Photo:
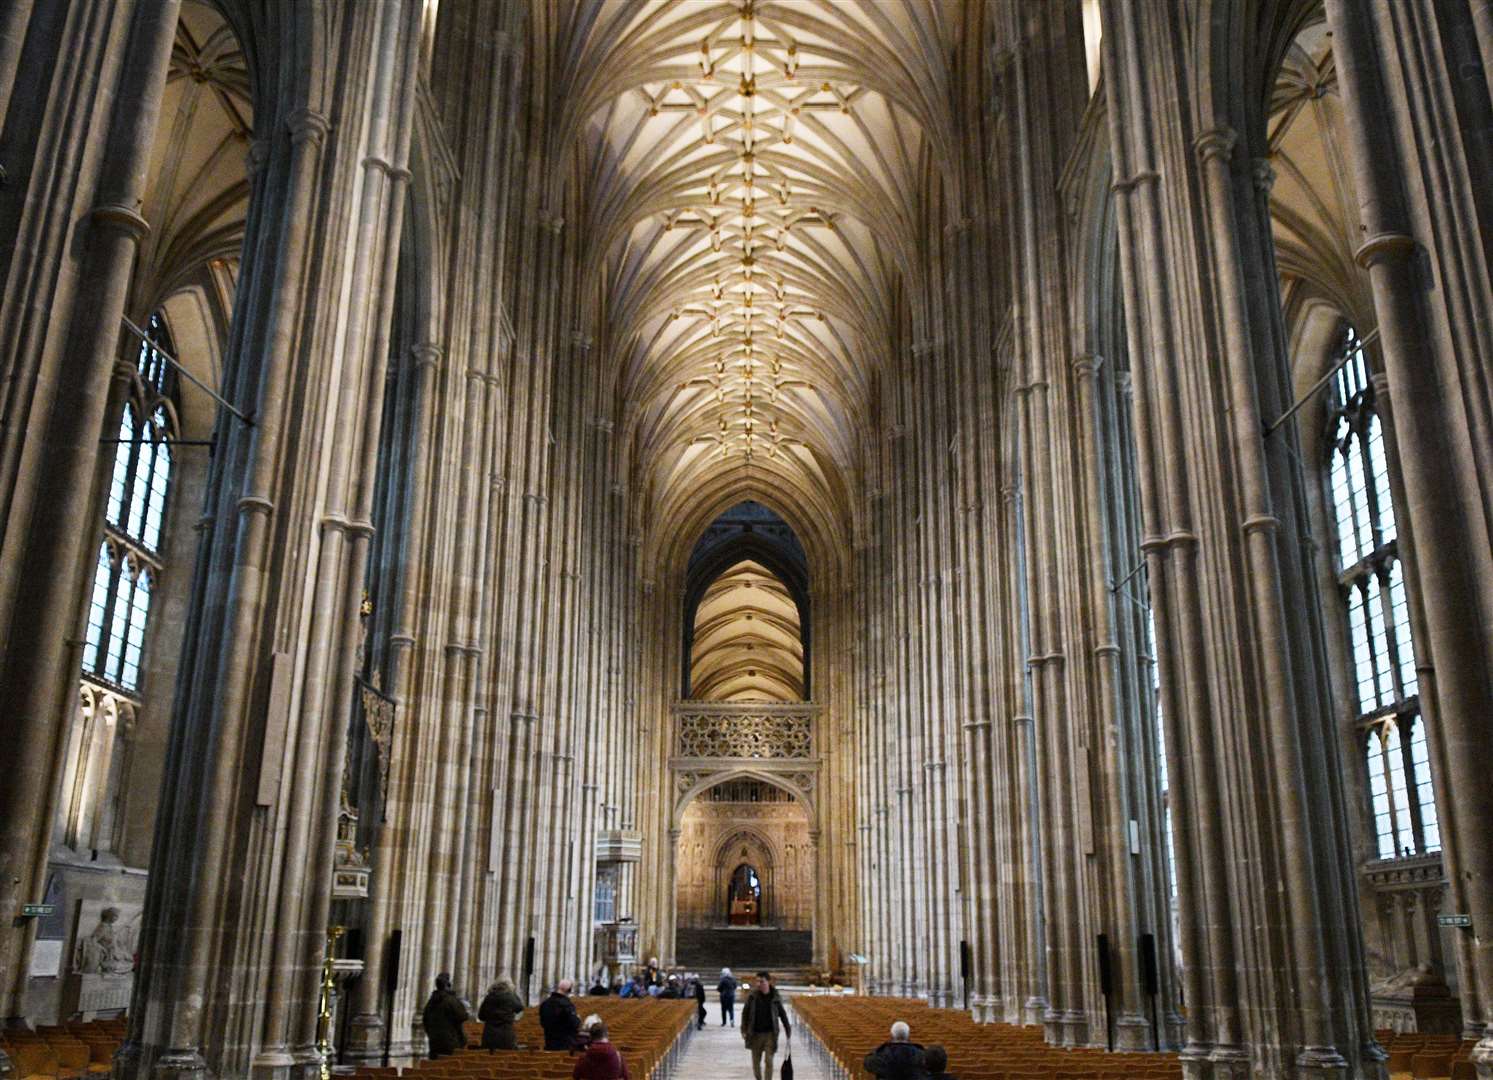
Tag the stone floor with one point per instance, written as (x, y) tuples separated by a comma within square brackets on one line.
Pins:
[(717, 1053)]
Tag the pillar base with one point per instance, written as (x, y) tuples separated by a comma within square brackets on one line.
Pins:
[(178, 1063), (365, 1039), (1133, 1032), (1033, 1010), (1201, 1061), (1075, 1028), (272, 1063), (308, 1063)]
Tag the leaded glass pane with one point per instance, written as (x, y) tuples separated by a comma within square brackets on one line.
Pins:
[(1358, 635), (1379, 644), (129, 676), (98, 606), (1342, 498), (1420, 768), (1362, 526), (1379, 467), (119, 624), (120, 482), (1379, 796), (1395, 760), (1404, 647)]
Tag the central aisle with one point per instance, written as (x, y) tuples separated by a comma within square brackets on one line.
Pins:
[(717, 1053)]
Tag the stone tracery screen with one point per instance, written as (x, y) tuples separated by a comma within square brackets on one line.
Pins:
[(766, 732)]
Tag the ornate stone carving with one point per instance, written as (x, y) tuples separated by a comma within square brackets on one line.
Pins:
[(705, 731)]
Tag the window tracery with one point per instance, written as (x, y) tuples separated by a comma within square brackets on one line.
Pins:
[(1372, 583), (134, 517)]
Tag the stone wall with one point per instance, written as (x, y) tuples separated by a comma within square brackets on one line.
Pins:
[(775, 839)]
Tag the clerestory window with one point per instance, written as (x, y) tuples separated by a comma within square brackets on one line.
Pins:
[(134, 516), (1371, 580)]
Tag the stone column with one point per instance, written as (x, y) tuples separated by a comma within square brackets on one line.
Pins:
[(1420, 262), (50, 515)]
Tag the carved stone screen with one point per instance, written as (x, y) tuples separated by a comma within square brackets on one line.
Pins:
[(767, 733)]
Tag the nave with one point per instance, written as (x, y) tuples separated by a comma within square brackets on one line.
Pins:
[(989, 502)]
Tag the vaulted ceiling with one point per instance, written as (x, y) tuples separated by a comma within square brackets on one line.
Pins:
[(748, 643), (752, 176), (197, 193)]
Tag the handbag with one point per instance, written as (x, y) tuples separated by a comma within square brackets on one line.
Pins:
[(787, 1073)]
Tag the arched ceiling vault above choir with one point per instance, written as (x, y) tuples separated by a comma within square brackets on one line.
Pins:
[(751, 172), (747, 643), (197, 192)]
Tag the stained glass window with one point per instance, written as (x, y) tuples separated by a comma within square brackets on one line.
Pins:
[(134, 517), (1372, 582)]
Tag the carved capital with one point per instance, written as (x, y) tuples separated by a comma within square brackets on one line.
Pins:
[(308, 125), (1383, 246), (126, 220), (1086, 365), (395, 174), (427, 354), (1217, 143)]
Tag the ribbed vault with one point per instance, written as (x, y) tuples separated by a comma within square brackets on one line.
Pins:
[(752, 178), (747, 642)]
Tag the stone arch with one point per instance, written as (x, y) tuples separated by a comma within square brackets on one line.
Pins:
[(798, 783)]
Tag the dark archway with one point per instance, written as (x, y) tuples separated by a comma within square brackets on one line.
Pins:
[(748, 532)]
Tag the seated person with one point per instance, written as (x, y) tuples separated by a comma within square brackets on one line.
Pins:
[(937, 1059), (900, 1059), (600, 1060)]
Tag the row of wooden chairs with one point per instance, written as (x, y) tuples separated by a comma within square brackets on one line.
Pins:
[(646, 1033), (65, 1051), (848, 1028), (1428, 1057)]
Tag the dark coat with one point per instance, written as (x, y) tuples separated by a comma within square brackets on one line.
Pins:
[(600, 1062), (497, 1012), (700, 993), (727, 988), (444, 1014), (560, 1021), (772, 1003), (897, 1061)]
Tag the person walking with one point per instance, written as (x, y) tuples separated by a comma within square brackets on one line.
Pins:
[(760, 1018), (601, 1061), (443, 1016), (699, 993), (499, 1011), (727, 989), (558, 1018), (900, 1059)]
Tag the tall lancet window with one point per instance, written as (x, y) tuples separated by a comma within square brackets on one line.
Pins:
[(134, 515), (1372, 580)]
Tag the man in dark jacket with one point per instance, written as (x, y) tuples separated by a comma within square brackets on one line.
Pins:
[(760, 1018), (558, 1018), (444, 1014), (498, 1012), (900, 1059), (727, 989), (697, 989)]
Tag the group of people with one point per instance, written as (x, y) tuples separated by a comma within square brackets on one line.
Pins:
[(564, 1030), (902, 1059), (762, 1018)]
